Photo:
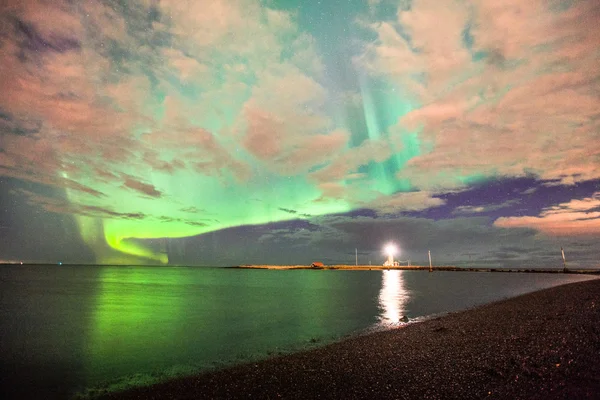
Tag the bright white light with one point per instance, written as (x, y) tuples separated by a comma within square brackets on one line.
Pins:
[(391, 249)]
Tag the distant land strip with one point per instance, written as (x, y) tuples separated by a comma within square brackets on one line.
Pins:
[(424, 268)]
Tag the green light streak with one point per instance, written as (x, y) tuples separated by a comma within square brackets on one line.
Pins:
[(383, 107), (216, 204)]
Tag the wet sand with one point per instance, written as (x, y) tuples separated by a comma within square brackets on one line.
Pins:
[(543, 345)]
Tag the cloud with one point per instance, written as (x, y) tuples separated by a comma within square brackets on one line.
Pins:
[(63, 206), (288, 133), (149, 116), (485, 208), (343, 177), (141, 187), (504, 88), (409, 201), (169, 100), (576, 217), (47, 23), (408, 47), (289, 211), (462, 241), (344, 163)]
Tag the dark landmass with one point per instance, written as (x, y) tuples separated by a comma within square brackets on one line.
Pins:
[(543, 345), (561, 270), (557, 270)]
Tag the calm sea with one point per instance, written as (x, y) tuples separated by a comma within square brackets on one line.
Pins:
[(64, 330)]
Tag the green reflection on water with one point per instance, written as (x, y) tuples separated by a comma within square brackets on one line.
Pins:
[(153, 323), (135, 319)]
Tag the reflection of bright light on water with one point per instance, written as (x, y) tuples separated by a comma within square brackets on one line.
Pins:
[(392, 297)]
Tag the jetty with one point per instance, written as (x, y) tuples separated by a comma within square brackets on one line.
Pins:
[(556, 270)]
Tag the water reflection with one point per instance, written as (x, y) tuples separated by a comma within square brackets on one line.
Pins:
[(71, 327), (138, 314), (159, 322), (392, 297)]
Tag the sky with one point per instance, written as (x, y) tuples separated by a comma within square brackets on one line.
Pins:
[(226, 132)]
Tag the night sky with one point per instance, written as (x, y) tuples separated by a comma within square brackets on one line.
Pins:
[(223, 132)]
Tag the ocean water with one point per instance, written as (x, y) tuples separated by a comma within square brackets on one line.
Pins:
[(69, 330)]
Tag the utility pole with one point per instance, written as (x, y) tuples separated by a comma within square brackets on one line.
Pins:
[(356, 255), (430, 267), (564, 261)]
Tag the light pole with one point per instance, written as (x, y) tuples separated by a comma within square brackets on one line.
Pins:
[(429, 254)]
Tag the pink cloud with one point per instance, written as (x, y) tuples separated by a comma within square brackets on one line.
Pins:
[(288, 133), (409, 201), (209, 22), (435, 47), (187, 67), (577, 217), (141, 187), (56, 19), (313, 150), (529, 106), (343, 164), (332, 190), (264, 134)]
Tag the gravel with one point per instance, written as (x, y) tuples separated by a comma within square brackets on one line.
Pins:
[(543, 345)]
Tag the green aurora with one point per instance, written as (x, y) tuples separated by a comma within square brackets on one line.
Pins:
[(192, 202), (146, 121)]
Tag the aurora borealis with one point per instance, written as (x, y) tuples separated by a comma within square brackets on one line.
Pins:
[(221, 132)]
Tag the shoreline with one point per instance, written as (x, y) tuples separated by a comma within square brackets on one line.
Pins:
[(538, 345), (590, 271)]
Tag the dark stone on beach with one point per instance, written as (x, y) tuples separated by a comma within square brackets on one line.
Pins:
[(542, 345), (404, 319)]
